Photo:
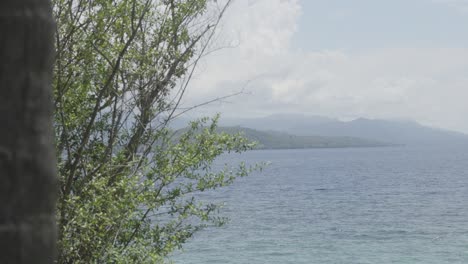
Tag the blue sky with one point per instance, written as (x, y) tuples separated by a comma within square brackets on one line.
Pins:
[(345, 59), (370, 24)]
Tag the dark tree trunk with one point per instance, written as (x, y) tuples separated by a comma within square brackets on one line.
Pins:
[(27, 163)]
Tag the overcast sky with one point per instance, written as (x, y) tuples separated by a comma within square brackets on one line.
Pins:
[(390, 59)]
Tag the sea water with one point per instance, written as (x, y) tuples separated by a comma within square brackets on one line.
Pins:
[(356, 205)]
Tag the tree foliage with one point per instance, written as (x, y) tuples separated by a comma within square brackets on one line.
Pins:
[(128, 186)]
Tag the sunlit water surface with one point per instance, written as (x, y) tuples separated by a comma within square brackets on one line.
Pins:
[(368, 205)]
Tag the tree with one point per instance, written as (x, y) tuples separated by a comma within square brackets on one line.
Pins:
[(129, 184), (27, 164)]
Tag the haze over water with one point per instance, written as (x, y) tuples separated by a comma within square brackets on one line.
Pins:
[(356, 205)]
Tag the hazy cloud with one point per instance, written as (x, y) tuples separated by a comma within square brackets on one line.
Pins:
[(426, 84), (461, 5)]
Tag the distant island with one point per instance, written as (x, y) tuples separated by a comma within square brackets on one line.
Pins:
[(360, 130), (293, 131), (281, 140)]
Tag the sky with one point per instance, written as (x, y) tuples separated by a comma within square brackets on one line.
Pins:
[(382, 59)]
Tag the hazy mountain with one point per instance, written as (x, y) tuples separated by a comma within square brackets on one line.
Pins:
[(281, 140), (398, 132), (293, 122)]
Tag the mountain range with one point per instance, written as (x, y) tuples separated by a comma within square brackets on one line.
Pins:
[(281, 140), (304, 131), (387, 131)]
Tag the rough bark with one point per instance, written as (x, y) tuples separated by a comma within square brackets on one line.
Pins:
[(27, 163)]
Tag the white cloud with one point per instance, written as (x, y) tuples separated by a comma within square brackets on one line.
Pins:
[(428, 85), (460, 5)]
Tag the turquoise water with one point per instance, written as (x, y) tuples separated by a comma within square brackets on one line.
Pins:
[(372, 205)]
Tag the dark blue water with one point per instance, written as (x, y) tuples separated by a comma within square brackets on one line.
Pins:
[(372, 205)]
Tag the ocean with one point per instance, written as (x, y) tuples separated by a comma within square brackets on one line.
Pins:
[(349, 206)]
